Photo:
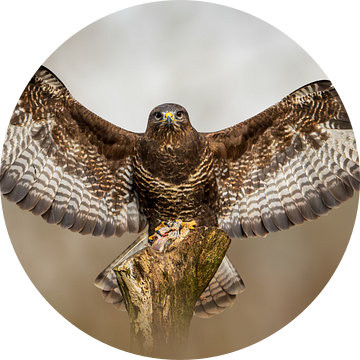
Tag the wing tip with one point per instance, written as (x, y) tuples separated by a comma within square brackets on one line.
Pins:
[(314, 86), (49, 77)]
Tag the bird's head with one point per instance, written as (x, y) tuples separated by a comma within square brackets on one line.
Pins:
[(169, 121)]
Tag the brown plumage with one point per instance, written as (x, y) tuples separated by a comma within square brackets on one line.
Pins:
[(174, 171), (291, 163)]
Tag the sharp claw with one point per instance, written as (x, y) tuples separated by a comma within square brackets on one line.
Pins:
[(172, 225), (163, 224), (190, 224)]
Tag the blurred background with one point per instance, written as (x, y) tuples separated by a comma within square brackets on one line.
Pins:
[(224, 66)]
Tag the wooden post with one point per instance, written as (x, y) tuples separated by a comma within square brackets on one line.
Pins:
[(161, 287)]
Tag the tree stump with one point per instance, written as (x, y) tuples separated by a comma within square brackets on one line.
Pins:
[(161, 284)]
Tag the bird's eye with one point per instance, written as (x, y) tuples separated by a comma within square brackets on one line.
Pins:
[(179, 114), (158, 115)]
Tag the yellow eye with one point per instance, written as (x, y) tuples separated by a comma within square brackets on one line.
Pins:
[(179, 114)]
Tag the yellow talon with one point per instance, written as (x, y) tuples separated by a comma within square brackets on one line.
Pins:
[(161, 225), (190, 224)]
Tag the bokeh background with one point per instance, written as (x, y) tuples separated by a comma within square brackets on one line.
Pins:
[(223, 66)]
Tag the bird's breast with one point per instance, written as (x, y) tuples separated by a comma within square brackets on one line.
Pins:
[(171, 161), (173, 184), (173, 168)]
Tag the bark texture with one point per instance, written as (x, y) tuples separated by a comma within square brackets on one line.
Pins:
[(161, 284)]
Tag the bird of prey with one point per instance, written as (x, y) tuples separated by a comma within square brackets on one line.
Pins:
[(291, 163)]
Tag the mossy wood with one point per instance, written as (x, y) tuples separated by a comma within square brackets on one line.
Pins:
[(161, 288)]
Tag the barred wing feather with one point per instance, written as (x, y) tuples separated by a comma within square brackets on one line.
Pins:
[(68, 165), (291, 163)]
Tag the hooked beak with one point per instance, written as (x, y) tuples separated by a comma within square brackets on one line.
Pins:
[(169, 118)]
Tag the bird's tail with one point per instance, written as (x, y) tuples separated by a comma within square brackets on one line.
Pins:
[(221, 291), (219, 295)]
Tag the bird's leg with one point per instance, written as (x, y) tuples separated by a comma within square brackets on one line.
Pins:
[(160, 231), (169, 230), (152, 237), (189, 224), (163, 224)]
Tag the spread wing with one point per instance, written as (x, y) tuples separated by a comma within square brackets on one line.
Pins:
[(68, 165), (291, 163)]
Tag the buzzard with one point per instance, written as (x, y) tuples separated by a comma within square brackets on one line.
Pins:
[(292, 162)]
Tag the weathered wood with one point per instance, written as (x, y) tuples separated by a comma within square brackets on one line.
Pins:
[(161, 287)]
